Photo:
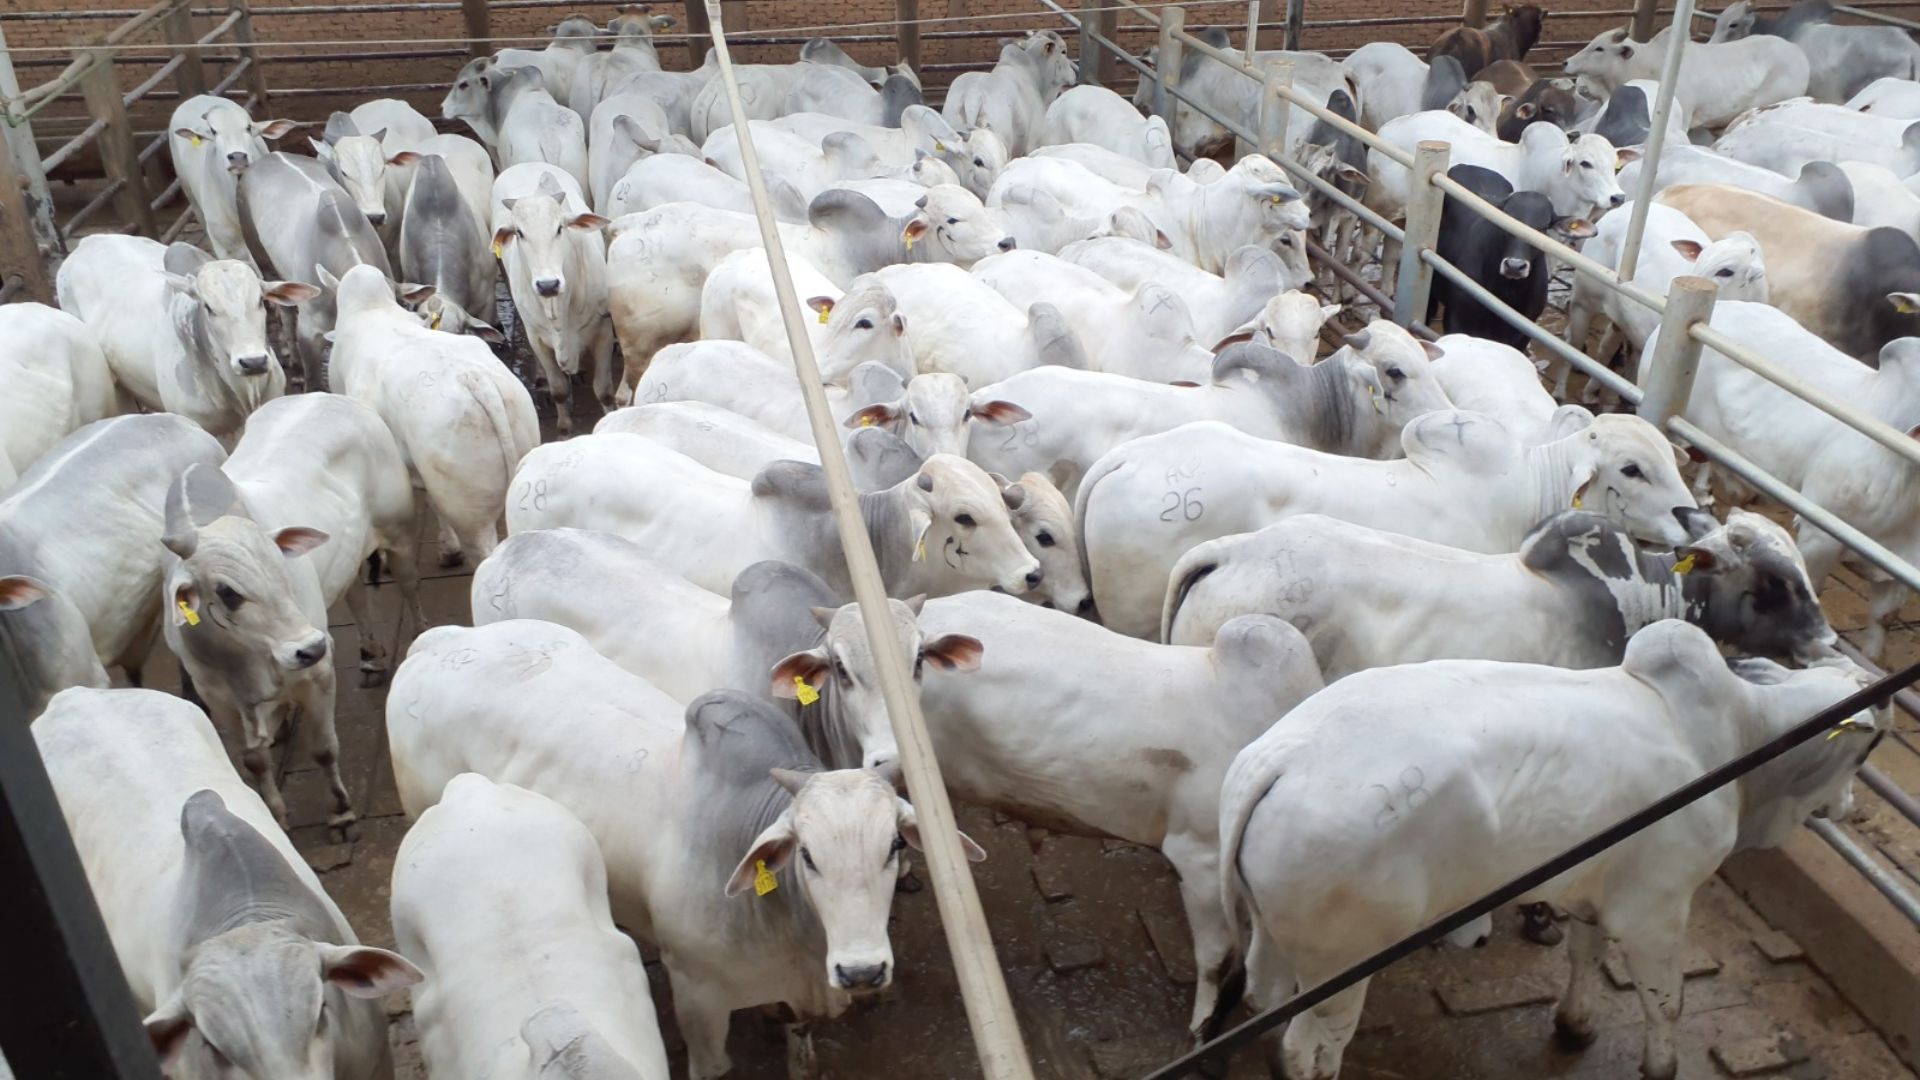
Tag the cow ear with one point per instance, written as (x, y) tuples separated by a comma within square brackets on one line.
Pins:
[(955, 654), (1624, 157), (288, 293), (416, 295), (168, 1027), (273, 129), (20, 591), (874, 416), (909, 824), (822, 306), (363, 971), (1000, 412), (1697, 559), (1352, 175), (1905, 303), (297, 540), (404, 157), (320, 148), (186, 604), (1575, 228), (1433, 351), (486, 333), (1689, 249), (1626, 52), (1062, 473), (1527, 110), (327, 281), (192, 136), (588, 221), (810, 667), (502, 236), (915, 229), (773, 848)]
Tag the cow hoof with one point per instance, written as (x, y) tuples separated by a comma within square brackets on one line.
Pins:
[(345, 824), (909, 883), (1574, 1034), (372, 675), (1539, 926), (451, 559)]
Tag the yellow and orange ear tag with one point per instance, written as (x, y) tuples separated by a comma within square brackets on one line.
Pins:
[(195, 140), (1685, 565), (866, 421), (496, 249), (824, 312), (763, 880), (187, 613), (807, 694)]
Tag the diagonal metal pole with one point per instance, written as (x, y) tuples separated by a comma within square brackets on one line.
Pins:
[(1656, 138), (996, 1034)]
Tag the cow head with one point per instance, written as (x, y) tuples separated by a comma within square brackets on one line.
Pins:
[(956, 227), (536, 229), (1275, 204), (1733, 263), (1733, 23), (254, 1001), (846, 831), (1587, 183), (438, 312), (1621, 466), (1478, 103), (219, 312), (575, 32), (1606, 60), (842, 667), (1289, 323), (228, 134), (471, 96), (957, 517), (360, 165), (1044, 520), (230, 602), (933, 412), (1758, 597), (863, 325), (1403, 370)]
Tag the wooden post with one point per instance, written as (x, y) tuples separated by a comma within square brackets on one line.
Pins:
[(1296, 22), (1424, 205), (1667, 378), (1275, 109), (697, 27), (907, 31), (1269, 13), (256, 78), (118, 154), (479, 26), (25, 154), (1166, 65), (1106, 19), (20, 254), (1643, 16), (1474, 15), (190, 78)]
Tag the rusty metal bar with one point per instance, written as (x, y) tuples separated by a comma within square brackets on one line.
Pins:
[(132, 97), (118, 156), (249, 55)]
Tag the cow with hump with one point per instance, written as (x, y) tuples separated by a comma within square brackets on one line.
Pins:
[(1443, 804), (762, 877), (243, 965)]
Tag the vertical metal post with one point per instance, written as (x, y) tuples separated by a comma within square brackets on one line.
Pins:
[(1296, 22), (1656, 137), (20, 253), (1275, 110), (25, 156), (1425, 202), (1090, 50), (1666, 379), (190, 78), (907, 31), (1106, 19), (1166, 65), (1253, 29), (479, 19), (118, 154), (1474, 14), (243, 36), (79, 1022), (1643, 15)]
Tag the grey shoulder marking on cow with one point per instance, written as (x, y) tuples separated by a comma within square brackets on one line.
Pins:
[(1055, 341), (1445, 79), (878, 459), (1617, 588), (183, 259), (235, 876), (896, 95), (1625, 122), (565, 1045), (771, 594), (1825, 189), (798, 482)]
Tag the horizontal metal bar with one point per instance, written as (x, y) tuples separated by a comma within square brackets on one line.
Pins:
[(72, 146), (1878, 876), (1906, 699), (1366, 289), (132, 97), (350, 91), (1583, 263), (1879, 431), (1816, 515), (1850, 9), (1593, 368)]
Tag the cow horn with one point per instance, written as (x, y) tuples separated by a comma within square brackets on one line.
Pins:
[(926, 482), (201, 496), (1014, 495), (789, 779), (1284, 192), (1359, 341), (1259, 359)]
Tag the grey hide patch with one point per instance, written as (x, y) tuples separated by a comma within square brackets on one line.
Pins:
[(879, 459), (236, 876), (1618, 588), (1055, 342), (183, 259)]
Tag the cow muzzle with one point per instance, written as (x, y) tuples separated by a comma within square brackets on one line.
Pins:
[(307, 655), (238, 161), (860, 977), (548, 286), (376, 218), (1515, 269), (255, 365)]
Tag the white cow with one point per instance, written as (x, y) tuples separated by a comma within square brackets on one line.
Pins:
[(242, 964), (556, 261), (941, 530), (500, 897), (1218, 304), (1818, 186), (1012, 99), (1145, 332), (1224, 89), (1395, 81), (598, 75), (846, 330), (1857, 479), (57, 380), (1075, 727), (1097, 115), (662, 178), (529, 125), (621, 131), (976, 156), (1717, 82), (690, 808), (461, 419), (1888, 96), (1845, 61), (1466, 482), (1354, 402), (573, 41), (964, 326), (182, 333), (1440, 809), (716, 437), (1788, 140), (1291, 323), (1500, 381), (212, 141), (1577, 174)]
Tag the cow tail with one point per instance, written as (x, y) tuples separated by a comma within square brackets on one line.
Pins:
[(1190, 571), (1237, 899), (488, 397), (1098, 472)]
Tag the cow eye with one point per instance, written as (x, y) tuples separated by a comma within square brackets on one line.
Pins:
[(1632, 471), (899, 845), (807, 858), (1586, 164), (1724, 271), (1396, 374), (979, 163), (863, 324), (1044, 539), (1286, 241), (913, 419), (953, 221), (228, 597), (840, 672), (965, 521)]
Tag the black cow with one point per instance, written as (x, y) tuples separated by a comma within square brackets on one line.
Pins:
[(1510, 268)]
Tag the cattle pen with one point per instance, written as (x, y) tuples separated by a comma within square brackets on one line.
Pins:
[(96, 165)]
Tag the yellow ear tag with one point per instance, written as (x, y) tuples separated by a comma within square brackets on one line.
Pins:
[(1685, 565), (824, 312), (909, 238), (187, 613), (1850, 722), (920, 551), (195, 140), (435, 325), (939, 147), (496, 249), (866, 421), (807, 694), (763, 880)]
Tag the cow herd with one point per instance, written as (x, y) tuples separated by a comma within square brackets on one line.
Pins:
[(1326, 631)]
